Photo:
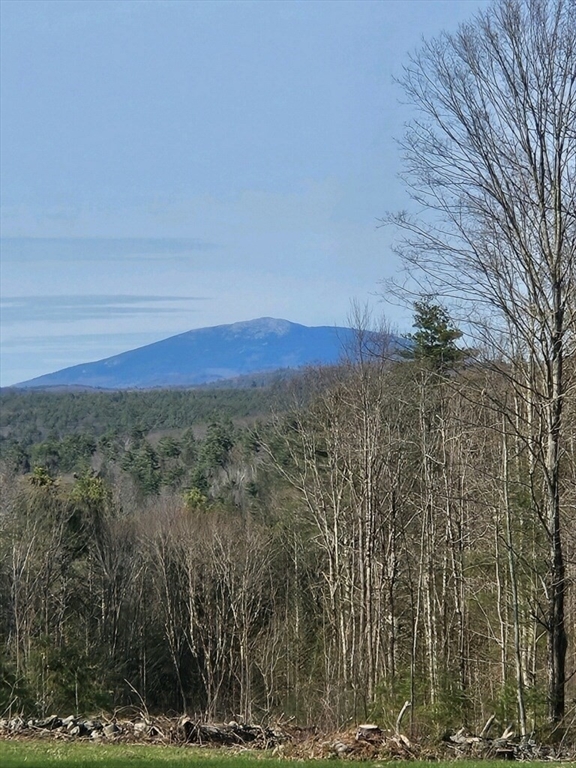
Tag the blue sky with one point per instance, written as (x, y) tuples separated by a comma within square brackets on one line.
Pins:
[(174, 164)]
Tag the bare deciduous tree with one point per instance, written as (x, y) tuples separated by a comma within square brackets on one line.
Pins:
[(492, 160)]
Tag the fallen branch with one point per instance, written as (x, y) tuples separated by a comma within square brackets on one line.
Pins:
[(407, 704)]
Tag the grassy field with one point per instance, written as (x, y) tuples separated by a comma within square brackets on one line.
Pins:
[(41, 754)]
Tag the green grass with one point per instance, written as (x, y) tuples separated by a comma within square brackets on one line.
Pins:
[(42, 754)]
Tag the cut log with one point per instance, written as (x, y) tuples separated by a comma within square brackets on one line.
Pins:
[(368, 732)]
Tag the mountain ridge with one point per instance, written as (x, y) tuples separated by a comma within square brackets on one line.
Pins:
[(206, 355)]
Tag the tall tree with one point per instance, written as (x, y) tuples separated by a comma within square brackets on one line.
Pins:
[(434, 341), (491, 158)]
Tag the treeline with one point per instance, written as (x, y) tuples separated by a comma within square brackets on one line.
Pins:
[(31, 416), (378, 542)]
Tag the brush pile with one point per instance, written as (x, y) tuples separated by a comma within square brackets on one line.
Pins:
[(369, 742), (508, 746)]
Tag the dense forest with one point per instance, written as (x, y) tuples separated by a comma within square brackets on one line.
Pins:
[(31, 416)]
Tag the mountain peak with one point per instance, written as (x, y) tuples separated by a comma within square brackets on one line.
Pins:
[(263, 326)]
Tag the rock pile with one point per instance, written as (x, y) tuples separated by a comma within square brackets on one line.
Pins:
[(164, 730), (74, 727)]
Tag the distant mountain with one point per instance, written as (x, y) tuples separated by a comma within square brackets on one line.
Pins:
[(208, 355)]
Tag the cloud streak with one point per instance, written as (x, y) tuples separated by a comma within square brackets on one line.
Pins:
[(80, 341), (21, 309), (34, 249)]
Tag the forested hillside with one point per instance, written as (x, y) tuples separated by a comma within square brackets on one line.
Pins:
[(379, 541), (70, 423)]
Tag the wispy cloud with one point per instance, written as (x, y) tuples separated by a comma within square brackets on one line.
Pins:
[(80, 341), (19, 309), (32, 249)]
